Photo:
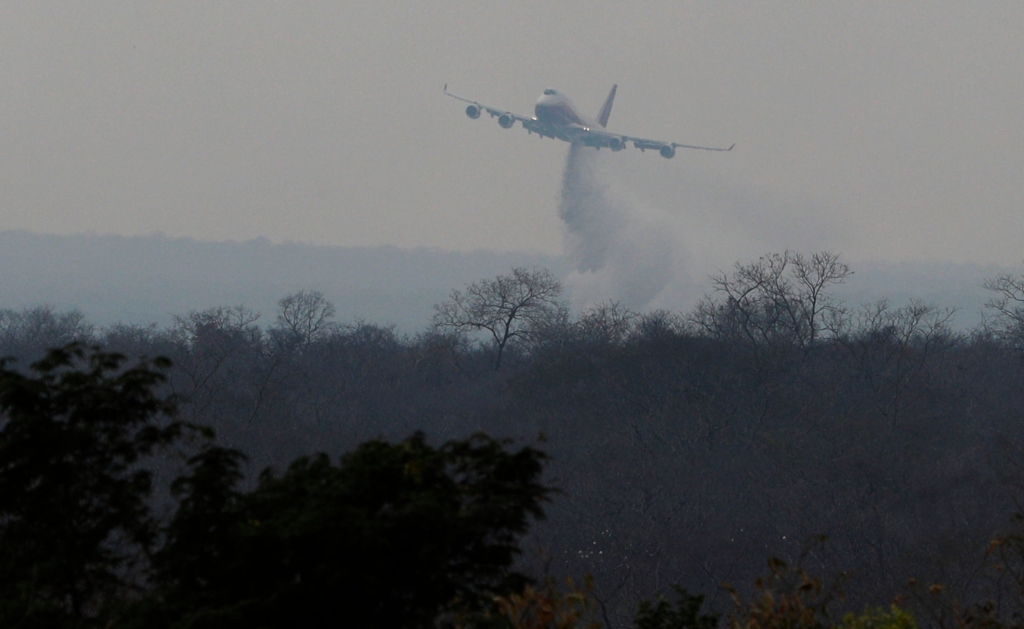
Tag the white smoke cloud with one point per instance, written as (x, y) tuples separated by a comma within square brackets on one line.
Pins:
[(648, 234), (621, 250)]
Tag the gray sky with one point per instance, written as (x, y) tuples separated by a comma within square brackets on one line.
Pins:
[(885, 130)]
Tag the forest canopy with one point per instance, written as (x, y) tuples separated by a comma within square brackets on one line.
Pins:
[(686, 448)]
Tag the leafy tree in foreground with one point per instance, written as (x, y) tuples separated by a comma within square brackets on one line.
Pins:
[(542, 608), (880, 618), (788, 598), (73, 513), (686, 614), (396, 533)]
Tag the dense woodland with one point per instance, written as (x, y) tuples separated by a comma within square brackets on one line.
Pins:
[(684, 448)]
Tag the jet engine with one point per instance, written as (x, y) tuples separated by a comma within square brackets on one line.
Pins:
[(616, 143), (667, 151), (506, 121), (473, 111)]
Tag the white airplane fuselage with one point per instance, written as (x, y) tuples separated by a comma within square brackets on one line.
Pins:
[(556, 109)]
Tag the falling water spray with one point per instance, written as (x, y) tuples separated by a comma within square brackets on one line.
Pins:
[(619, 251)]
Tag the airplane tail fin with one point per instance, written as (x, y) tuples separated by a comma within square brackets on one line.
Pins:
[(606, 110)]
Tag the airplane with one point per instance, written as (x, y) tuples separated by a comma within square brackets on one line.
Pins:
[(556, 117)]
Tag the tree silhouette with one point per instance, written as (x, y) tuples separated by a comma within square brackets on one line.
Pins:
[(397, 533), (510, 308), (73, 515)]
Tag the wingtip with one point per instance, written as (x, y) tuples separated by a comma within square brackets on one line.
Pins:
[(733, 146), (446, 87)]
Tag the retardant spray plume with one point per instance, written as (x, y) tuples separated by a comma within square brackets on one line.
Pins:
[(620, 252)]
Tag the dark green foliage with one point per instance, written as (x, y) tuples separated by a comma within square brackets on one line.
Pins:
[(787, 598), (685, 615), (73, 513), (689, 445), (399, 532), (402, 532), (200, 535)]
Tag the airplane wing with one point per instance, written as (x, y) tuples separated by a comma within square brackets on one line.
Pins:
[(617, 142), (507, 118)]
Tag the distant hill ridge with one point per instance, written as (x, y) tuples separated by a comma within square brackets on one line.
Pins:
[(148, 279)]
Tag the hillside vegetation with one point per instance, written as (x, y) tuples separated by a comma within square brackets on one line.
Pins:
[(685, 448)]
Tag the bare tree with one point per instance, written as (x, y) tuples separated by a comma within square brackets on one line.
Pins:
[(608, 323), (306, 315), (512, 308), (1008, 305), (41, 328), (897, 350), (204, 345), (781, 298)]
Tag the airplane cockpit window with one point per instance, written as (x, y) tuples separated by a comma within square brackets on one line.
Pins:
[(549, 92)]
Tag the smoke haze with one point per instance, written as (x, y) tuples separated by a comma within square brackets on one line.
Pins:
[(648, 232), (618, 251)]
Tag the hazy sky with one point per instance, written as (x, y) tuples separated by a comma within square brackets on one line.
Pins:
[(886, 130)]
